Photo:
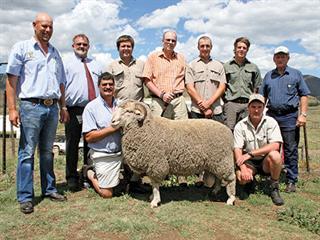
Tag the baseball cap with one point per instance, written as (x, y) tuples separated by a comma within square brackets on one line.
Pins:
[(256, 97), (281, 49)]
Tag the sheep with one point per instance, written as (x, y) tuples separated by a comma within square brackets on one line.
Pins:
[(158, 147)]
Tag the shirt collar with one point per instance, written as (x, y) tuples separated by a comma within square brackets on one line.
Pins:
[(286, 71), (234, 61), (198, 59), (263, 119), (114, 102), (161, 53), (36, 43), (133, 60)]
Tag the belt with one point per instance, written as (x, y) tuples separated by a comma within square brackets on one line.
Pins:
[(279, 112), (47, 102), (240, 100), (175, 95)]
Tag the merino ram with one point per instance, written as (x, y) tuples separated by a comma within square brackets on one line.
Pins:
[(159, 147)]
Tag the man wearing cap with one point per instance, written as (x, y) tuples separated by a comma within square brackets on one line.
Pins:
[(287, 95), (257, 141), (243, 79)]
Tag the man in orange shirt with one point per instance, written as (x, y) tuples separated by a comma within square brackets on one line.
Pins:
[(163, 74)]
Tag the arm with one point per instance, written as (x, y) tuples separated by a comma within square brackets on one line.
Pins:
[(64, 115), (166, 97), (97, 135), (245, 173), (11, 89), (302, 119)]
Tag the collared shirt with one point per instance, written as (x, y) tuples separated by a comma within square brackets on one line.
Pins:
[(284, 91), (128, 79), (40, 74), (248, 138), (97, 115), (206, 78), (77, 84), (242, 80), (166, 74)]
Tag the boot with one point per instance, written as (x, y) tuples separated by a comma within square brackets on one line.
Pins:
[(275, 195)]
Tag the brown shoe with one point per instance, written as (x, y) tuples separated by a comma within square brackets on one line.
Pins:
[(291, 187), (56, 197)]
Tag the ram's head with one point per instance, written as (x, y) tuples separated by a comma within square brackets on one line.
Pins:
[(130, 112)]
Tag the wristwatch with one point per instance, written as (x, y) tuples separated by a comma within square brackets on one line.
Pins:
[(303, 114)]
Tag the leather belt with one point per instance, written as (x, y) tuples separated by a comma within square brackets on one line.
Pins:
[(240, 100), (175, 95), (47, 102)]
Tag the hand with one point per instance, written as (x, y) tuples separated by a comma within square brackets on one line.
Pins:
[(204, 105), (208, 113), (242, 159), (64, 116), (246, 175), (167, 97), (14, 117), (301, 121)]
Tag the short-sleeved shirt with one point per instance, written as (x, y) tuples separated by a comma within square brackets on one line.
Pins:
[(77, 83), (40, 74), (247, 138), (128, 79), (206, 78), (242, 80), (166, 74), (284, 91), (97, 115)]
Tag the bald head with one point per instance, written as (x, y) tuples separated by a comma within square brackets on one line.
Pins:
[(43, 28)]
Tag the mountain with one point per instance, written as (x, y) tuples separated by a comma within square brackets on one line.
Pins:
[(313, 84)]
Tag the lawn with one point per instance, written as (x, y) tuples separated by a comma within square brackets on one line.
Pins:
[(186, 212)]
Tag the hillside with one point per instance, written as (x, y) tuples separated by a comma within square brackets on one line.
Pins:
[(313, 84)]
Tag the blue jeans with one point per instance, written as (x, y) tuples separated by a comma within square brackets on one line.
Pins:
[(38, 127), (290, 147)]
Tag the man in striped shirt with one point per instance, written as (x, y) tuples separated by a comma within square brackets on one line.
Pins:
[(163, 74)]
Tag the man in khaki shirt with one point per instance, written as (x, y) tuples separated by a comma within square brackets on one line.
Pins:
[(206, 83), (257, 140), (127, 71)]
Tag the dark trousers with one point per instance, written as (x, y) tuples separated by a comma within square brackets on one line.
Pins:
[(73, 131), (218, 117), (290, 147)]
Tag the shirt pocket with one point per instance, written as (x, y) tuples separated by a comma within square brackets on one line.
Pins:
[(215, 77), (118, 78), (291, 89), (261, 140)]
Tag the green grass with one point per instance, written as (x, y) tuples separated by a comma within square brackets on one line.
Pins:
[(185, 213)]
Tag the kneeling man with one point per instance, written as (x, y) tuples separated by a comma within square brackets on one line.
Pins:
[(257, 140), (103, 140)]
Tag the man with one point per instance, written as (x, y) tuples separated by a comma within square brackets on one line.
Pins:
[(36, 75), (286, 91), (163, 74), (127, 71), (103, 140), (206, 83), (81, 74), (243, 79), (257, 141)]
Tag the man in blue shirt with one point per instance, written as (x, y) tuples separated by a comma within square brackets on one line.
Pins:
[(36, 75), (77, 97), (287, 95), (103, 140)]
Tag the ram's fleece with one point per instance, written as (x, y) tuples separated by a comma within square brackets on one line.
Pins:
[(159, 147)]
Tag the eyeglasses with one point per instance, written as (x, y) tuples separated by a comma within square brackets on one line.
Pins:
[(83, 44), (170, 40)]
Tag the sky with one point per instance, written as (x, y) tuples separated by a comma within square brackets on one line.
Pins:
[(267, 23)]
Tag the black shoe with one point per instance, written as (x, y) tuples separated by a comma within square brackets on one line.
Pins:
[(276, 198), (241, 192), (291, 187), (73, 184), (84, 176), (26, 207), (56, 197)]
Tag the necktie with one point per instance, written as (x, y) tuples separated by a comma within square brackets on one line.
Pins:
[(91, 91)]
